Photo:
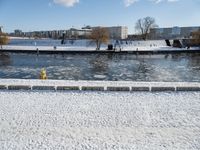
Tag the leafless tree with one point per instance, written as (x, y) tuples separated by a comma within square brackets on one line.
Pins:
[(99, 36), (144, 25), (3, 39), (195, 41)]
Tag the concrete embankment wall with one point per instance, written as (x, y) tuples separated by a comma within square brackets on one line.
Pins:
[(61, 85), (104, 52), (132, 51)]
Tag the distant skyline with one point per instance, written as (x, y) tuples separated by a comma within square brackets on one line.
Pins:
[(37, 15)]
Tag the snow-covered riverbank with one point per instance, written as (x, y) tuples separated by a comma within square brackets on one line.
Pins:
[(87, 45), (74, 120), (91, 48), (18, 84)]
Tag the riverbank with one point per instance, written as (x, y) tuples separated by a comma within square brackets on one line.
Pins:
[(51, 46), (82, 49), (64, 85)]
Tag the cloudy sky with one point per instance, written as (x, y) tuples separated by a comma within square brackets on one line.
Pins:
[(30, 15)]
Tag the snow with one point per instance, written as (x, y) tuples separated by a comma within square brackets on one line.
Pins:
[(99, 120), (35, 82), (48, 48), (19, 38), (86, 45)]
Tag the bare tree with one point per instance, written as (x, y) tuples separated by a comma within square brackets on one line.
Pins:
[(144, 25), (195, 41), (99, 36), (3, 39)]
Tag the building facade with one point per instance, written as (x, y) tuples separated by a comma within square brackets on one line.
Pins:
[(115, 32), (118, 32), (18, 32), (78, 33), (172, 33)]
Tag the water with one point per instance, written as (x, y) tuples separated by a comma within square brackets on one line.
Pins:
[(182, 67), (114, 67)]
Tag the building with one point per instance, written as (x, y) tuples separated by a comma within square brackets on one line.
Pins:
[(56, 34), (78, 33), (18, 32), (115, 32), (172, 33), (118, 32)]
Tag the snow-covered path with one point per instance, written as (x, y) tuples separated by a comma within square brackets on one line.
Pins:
[(99, 120)]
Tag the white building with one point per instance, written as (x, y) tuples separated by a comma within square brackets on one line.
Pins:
[(118, 32), (115, 32), (172, 33)]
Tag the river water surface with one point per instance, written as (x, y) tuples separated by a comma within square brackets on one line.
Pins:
[(114, 67)]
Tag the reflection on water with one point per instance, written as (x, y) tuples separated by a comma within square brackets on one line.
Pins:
[(99, 64), (170, 67), (4, 60)]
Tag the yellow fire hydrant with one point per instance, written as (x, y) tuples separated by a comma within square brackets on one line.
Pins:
[(43, 74)]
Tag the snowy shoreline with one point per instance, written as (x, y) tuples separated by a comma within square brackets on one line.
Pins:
[(44, 45), (17, 48), (27, 84)]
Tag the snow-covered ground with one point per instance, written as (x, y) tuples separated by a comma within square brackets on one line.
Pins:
[(36, 82), (19, 38), (93, 48), (86, 45), (99, 120), (49, 48)]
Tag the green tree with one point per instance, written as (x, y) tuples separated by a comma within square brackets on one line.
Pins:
[(144, 25), (99, 36)]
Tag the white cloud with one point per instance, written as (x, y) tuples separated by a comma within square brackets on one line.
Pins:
[(129, 2), (158, 1), (173, 0), (67, 3)]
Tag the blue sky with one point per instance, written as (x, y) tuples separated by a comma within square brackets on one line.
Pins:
[(30, 15)]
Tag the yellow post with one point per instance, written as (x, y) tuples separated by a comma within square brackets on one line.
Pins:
[(43, 74)]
